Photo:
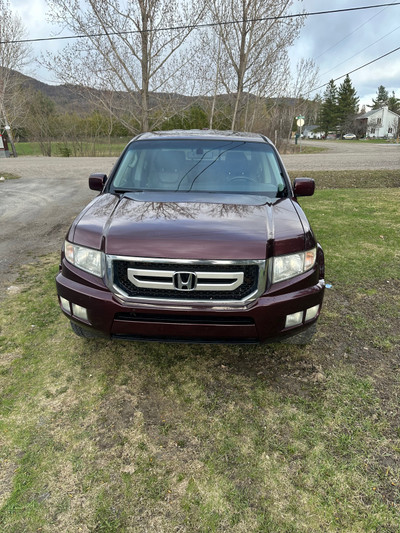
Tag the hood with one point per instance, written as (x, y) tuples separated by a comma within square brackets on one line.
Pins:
[(190, 226)]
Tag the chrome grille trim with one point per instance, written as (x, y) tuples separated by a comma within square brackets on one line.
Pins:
[(164, 279), (235, 277)]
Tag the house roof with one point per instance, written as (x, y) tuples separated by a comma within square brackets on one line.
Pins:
[(368, 114), (373, 111)]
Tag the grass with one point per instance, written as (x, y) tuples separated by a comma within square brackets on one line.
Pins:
[(114, 148), (9, 176), (365, 232), (114, 437), (78, 149), (301, 148), (380, 141)]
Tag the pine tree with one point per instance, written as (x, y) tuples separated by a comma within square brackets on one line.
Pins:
[(394, 103), (347, 104), (381, 98), (329, 109)]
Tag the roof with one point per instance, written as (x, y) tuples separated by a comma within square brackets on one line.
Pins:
[(368, 113), (204, 134), (373, 111)]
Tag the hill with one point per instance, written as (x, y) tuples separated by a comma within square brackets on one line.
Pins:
[(70, 98), (65, 97)]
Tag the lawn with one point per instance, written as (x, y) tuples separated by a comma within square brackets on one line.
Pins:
[(102, 147), (8, 176), (136, 437), (97, 148)]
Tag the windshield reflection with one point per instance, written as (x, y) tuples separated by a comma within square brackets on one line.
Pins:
[(145, 210)]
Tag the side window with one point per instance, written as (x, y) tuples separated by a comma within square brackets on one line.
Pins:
[(126, 170), (271, 170)]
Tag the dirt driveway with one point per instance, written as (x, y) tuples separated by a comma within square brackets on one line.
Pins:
[(36, 210)]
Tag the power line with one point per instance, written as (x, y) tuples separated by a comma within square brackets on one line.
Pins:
[(355, 70), (349, 34), (363, 50), (199, 26)]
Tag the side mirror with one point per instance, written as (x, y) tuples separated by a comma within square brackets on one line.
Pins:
[(303, 187), (97, 181)]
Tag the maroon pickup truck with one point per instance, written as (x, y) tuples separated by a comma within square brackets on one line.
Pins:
[(196, 236)]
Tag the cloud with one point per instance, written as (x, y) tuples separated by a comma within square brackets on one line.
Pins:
[(341, 42)]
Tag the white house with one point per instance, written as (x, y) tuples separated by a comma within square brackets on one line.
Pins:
[(379, 123), (309, 133)]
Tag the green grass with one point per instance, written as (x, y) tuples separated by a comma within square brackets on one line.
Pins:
[(361, 230), (103, 148), (379, 141), (9, 176), (114, 436), (76, 149)]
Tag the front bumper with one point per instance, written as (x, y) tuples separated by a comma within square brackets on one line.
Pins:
[(260, 321)]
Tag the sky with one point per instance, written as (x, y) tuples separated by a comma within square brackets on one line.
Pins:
[(338, 43), (342, 42)]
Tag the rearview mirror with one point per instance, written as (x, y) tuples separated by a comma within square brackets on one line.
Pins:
[(97, 181), (303, 187)]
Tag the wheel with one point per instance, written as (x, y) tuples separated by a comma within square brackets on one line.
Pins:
[(83, 332), (305, 337)]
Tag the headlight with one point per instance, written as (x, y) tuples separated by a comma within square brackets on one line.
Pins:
[(288, 266), (85, 258)]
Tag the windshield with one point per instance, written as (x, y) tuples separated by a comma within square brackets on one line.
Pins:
[(200, 165)]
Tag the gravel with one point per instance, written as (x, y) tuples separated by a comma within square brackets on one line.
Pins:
[(346, 155), (36, 210)]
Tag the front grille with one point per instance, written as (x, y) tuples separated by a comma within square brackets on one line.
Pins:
[(154, 280)]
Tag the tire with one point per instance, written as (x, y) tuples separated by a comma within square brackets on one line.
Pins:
[(83, 332), (305, 337)]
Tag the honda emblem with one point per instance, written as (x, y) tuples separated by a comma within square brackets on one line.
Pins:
[(185, 281)]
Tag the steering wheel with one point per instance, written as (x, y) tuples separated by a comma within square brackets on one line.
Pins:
[(242, 178)]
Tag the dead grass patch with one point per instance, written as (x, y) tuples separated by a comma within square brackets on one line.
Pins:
[(7, 469)]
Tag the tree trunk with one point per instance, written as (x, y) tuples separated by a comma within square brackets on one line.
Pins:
[(242, 66), (145, 67), (214, 101), (9, 132)]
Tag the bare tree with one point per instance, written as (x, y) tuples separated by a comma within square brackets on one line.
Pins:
[(254, 48), (301, 85), (127, 50), (13, 56)]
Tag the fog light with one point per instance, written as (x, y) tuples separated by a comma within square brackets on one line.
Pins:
[(294, 320), (79, 312), (65, 304), (312, 312)]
